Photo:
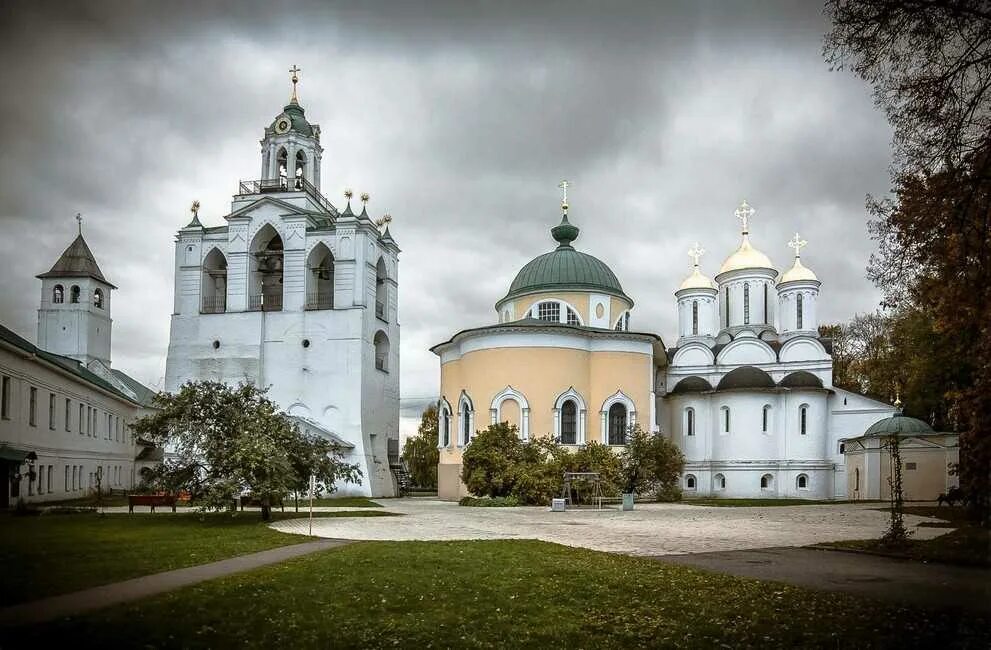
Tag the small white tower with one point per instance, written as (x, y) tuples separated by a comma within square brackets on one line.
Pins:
[(746, 284), (291, 148), (74, 318), (698, 307), (798, 292)]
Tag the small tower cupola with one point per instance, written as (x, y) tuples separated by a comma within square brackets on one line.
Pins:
[(697, 306), (291, 150), (798, 293), (746, 283), (74, 315)]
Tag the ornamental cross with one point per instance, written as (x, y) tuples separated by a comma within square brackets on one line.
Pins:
[(696, 252), (744, 213), (564, 193), (79, 221), (295, 79), (798, 244)]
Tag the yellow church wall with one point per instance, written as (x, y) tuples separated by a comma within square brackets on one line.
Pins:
[(578, 300), (540, 375)]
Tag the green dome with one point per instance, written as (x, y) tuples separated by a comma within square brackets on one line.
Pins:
[(565, 269), (297, 116), (898, 424)]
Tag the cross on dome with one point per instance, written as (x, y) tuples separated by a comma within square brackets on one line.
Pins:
[(744, 213), (798, 244), (79, 221), (295, 80), (564, 185), (696, 252)]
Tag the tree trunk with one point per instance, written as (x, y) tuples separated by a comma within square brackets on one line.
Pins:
[(266, 510), (296, 498)]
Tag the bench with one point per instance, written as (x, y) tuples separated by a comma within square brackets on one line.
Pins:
[(150, 500)]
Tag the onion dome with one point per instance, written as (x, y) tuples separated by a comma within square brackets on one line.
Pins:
[(898, 425), (746, 256), (565, 269), (292, 118), (697, 280), (798, 271)]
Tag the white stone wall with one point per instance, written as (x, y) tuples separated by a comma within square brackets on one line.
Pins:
[(82, 448), (78, 330)]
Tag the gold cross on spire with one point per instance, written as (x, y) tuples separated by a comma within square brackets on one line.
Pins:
[(564, 185), (798, 244), (79, 222), (744, 213), (696, 252), (295, 80)]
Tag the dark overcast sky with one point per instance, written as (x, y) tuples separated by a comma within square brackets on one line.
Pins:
[(460, 119)]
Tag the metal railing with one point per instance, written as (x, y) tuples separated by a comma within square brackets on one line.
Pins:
[(380, 310), (285, 184), (320, 301), (213, 305), (265, 302)]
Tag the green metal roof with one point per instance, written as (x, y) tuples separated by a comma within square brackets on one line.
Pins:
[(565, 269), (898, 424), (297, 116)]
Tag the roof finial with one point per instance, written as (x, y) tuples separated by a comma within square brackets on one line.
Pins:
[(798, 244), (384, 220), (348, 194), (564, 184), (364, 197), (696, 252), (195, 209), (898, 400), (79, 221), (744, 213), (295, 80)]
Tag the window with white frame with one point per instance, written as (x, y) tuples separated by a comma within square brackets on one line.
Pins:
[(467, 415), (58, 294), (549, 311), (718, 482), (766, 418), (803, 418), (444, 425), (68, 414), (690, 482), (51, 411), (695, 317), (572, 316), (33, 406), (802, 482), (724, 416), (617, 424), (766, 482), (746, 303), (569, 423), (623, 322), (689, 421), (798, 313)]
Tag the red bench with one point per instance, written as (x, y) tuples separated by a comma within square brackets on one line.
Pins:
[(150, 500)]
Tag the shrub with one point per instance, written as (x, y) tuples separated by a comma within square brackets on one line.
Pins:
[(669, 494), (489, 502), (488, 464), (650, 463)]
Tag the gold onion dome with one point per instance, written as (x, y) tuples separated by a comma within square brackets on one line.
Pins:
[(746, 256), (697, 279), (798, 271)]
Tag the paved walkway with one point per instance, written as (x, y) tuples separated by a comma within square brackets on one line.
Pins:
[(48, 609), (894, 580), (652, 529)]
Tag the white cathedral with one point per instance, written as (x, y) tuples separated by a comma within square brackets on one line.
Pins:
[(295, 295)]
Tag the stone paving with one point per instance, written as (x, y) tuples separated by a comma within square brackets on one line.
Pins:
[(651, 529)]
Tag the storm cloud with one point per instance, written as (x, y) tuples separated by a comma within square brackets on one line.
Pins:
[(459, 119)]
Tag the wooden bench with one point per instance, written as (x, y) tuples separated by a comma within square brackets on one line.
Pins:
[(150, 500)]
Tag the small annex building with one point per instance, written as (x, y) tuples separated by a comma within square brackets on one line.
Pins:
[(926, 457)]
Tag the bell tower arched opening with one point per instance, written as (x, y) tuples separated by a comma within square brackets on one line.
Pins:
[(213, 289), (265, 292), (320, 278)]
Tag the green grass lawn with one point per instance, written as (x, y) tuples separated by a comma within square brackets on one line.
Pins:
[(46, 555), (500, 594)]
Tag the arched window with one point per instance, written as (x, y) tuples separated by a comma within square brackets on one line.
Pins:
[(695, 317), (718, 482), (569, 423), (802, 482), (689, 421), (623, 322), (617, 424), (767, 317), (466, 421), (74, 294), (381, 351), (98, 298), (283, 165), (766, 482), (798, 316), (766, 418), (724, 412), (320, 279), (214, 285), (726, 304), (265, 293), (803, 417), (689, 481), (381, 291), (444, 424), (746, 304), (300, 164), (58, 294), (856, 479), (572, 316)]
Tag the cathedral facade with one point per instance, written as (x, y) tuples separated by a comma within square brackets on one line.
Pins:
[(746, 393), (292, 294)]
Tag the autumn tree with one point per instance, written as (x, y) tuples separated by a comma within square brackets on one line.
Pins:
[(929, 63), (227, 440), (420, 451)]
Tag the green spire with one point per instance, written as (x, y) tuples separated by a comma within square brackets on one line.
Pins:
[(564, 233)]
